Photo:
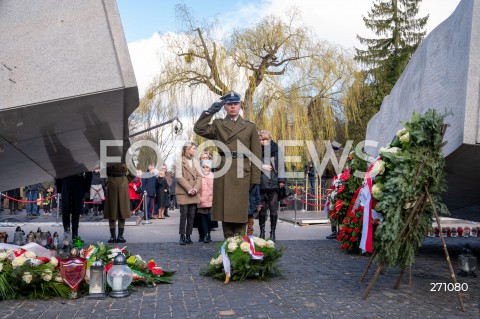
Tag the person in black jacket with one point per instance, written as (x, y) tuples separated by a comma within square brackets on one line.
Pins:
[(13, 204), (73, 189), (162, 197), (149, 183), (270, 183)]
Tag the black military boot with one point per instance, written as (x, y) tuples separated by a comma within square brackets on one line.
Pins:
[(113, 237), (261, 221), (188, 240), (120, 238), (273, 225), (182, 240)]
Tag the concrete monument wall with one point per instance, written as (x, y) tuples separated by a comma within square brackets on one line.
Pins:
[(444, 74), (66, 82)]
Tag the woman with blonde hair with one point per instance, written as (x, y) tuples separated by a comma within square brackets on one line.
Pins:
[(270, 183), (162, 195), (187, 188)]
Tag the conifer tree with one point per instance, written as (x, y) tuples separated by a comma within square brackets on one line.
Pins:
[(399, 33)]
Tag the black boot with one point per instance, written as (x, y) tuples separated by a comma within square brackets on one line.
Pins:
[(120, 238), (334, 233), (165, 213), (261, 221), (182, 240), (188, 240), (273, 224), (113, 237), (207, 239)]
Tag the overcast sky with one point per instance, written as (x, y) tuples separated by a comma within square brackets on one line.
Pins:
[(337, 21)]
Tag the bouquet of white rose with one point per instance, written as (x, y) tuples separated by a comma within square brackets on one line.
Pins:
[(243, 257)]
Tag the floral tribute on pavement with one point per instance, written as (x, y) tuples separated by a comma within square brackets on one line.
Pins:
[(243, 257), (146, 273), (413, 167), (31, 272), (345, 186)]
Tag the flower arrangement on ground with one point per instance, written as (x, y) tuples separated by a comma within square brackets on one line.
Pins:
[(24, 274), (146, 273), (243, 257), (339, 196), (413, 165)]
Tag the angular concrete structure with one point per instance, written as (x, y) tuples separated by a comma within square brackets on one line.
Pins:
[(66, 82), (444, 74)]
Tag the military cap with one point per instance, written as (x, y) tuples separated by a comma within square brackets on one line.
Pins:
[(231, 97)]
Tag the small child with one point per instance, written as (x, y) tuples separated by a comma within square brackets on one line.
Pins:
[(255, 206), (47, 201)]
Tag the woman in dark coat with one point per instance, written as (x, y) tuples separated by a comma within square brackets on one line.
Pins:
[(117, 204), (73, 189), (269, 183), (163, 199), (13, 204)]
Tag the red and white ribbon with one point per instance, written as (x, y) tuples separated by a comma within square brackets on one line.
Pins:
[(255, 255)]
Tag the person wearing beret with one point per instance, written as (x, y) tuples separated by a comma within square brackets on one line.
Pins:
[(230, 188)]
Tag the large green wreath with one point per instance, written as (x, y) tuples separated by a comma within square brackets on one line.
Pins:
[(414, 163)]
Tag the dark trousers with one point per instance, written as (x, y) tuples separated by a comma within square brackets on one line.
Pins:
[(206, 223), (173, 201), (46, 208), (134, 204), (269, 202), (12, 205), (75, 221), (150, 202), (187, 216), (32, 208), (232, 229)]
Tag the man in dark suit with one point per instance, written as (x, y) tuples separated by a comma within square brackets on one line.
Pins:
[(231, 189), (149, 182)]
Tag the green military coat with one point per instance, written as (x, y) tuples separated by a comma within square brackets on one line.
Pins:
[(231, 192), (117, 202)]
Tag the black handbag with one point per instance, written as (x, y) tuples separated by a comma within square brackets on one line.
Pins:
[(284, 192)]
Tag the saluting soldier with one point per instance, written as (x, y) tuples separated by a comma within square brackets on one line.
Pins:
[(231, 190)]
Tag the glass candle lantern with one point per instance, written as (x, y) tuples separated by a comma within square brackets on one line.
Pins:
[(18, 238), (98, 280), (43, 238), (67, 238), (474, 232), (454, 232), (119, 277), (467, 263), (56, 240), (30, 237)]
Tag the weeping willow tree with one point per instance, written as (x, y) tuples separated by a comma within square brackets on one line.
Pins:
[(242, 64), (312, 101), (292, 85)]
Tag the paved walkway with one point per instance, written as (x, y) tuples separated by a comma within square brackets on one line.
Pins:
[(319, 281)]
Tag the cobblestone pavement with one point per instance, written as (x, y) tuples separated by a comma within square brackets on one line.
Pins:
[(319, 282)]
